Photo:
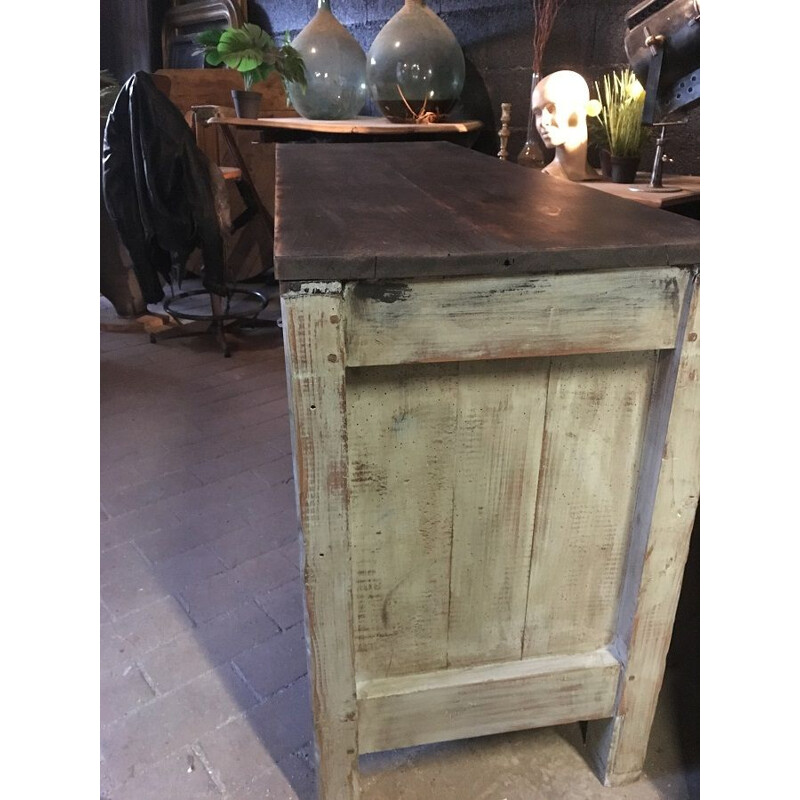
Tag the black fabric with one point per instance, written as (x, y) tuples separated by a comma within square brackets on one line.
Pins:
[(157, 188)]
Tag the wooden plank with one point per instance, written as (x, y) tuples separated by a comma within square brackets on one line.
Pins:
[(438, 320), (492, 218), (501, 408), (475, 701), (401, 425), (360, 125), (596, 412), (192, 87), (687, 187), (300, 221), (316, 354), (667, 499)]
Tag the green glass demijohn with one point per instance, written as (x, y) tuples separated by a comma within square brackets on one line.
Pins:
[(415, 66), (335, 69)]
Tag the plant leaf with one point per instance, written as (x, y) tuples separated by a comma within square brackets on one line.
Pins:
[(244, 61), (235, 38), (210, 37), (622, 100), (261, 73), (239, 50), (253, 52), (213, 58)]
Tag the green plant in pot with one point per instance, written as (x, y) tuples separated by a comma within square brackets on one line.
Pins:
[(621, 99), (254, 53)]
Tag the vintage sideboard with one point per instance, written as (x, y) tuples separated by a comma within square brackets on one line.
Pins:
[(494, 386)]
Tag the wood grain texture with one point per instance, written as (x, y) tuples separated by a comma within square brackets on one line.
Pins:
[(596, 411), (688, 186), (666, 503), (501, 409), (316, 355), (492, 218), (496, 503), (402, 424), (192, 87), (360, 125), (448, 320), (474, 701)]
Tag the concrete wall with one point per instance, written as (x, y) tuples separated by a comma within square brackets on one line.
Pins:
[(496, 36)]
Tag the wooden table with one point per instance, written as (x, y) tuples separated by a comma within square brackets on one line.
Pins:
[(360, 126), (494, 384), (361, 129), (688, 186)]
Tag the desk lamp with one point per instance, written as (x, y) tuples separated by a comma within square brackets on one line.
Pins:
[(663, 48)]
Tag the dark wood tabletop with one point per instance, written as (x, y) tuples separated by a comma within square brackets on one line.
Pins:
[(424, 209)]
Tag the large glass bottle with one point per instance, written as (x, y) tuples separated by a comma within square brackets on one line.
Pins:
[(335, 69), (415, 66), (533, 153)]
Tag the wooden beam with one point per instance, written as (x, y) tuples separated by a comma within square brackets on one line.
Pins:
[(315, 352), (474, 701), (447, 320), (667, 498)]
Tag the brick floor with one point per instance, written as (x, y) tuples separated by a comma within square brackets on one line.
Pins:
[(198, 545), (204, 691)]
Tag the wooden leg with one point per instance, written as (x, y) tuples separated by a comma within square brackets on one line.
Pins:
[(315, 352), (667, 498), (246, 183)]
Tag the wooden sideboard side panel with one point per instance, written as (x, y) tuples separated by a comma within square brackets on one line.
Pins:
[(410, 477), (501, 407), (596, 412), (315, 352), (475, 701), (402, 426), (668, 494), (426, 320), (444, 463)]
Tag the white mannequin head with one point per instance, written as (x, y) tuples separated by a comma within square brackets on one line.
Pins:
[(559, 103)]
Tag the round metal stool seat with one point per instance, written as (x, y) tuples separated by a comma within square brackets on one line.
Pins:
[(238, 306)]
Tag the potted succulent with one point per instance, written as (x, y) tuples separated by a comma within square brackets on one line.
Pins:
[(621, 102), (254, 53)]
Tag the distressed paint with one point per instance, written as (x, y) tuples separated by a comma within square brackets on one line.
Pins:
[(666, 502), (402, 424), (447, 320), (501, 406), (475, 701), (315, 347), (596, 413), (435, 497)]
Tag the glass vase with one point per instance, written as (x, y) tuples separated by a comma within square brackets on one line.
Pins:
[(533, 153), (415, 67), (335, 69)]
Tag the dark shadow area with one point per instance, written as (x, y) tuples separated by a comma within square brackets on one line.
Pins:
[(258, 16), (475, 103), (683, 659)]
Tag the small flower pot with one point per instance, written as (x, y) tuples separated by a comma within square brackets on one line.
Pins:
[(247, 104), (623, 169), (605, 164)]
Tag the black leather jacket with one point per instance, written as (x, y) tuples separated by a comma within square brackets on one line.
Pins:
[(157, 188)]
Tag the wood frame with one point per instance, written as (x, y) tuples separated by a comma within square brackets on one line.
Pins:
[(618, 389)]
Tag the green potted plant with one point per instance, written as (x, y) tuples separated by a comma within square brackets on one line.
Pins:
[(621, 102), (254, 53)]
